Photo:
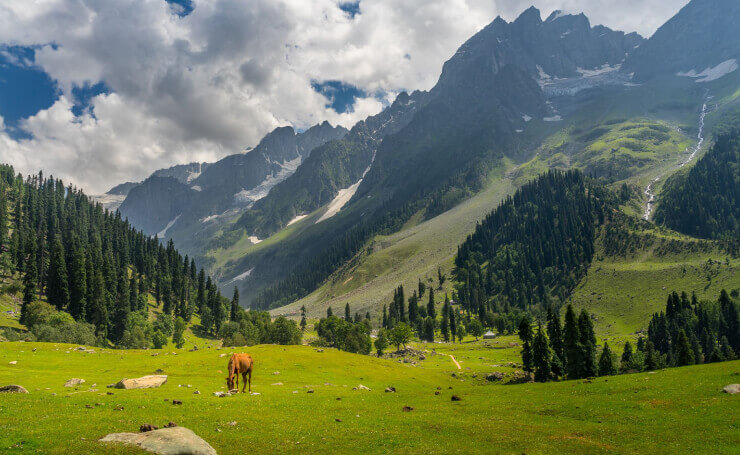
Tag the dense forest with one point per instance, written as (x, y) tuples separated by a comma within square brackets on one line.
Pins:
[(95, 271), (705, 201), (534, 247)]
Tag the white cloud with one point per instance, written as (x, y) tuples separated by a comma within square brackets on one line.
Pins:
[(208, 84)]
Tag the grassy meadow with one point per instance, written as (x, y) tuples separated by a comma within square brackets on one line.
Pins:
[(669, 411)]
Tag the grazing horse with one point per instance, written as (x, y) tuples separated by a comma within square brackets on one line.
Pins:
[(240, 364)]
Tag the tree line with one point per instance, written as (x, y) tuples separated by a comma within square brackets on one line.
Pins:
[(688, 332)]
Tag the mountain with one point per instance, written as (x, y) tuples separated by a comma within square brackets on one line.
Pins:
[(188, 194), (701, 42)]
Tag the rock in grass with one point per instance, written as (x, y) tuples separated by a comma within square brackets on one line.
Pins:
[(13, 362), (176, 402), (732, 389), (361, 387), (167, 441), (390, 389), (145, 382), (495, 376), (13, 388), (147, 427), (407, 409), (456, 398), (74, 382)]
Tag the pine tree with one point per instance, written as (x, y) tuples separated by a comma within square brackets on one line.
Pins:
[(525, 334), (78, 284), (422, 288), (303, 318), (606, 362), (429, 329), (453, 323), (329, 312), (571, 340), (541, 357), (178, 332), (651, 359), (684, 353), (385, 317), (234, 314), (122, 308), (431, 312), (30, 278), (445, 326), (555, 334), (57, 288), (413, 308), (588, 344), (347, 313), (626, 357)]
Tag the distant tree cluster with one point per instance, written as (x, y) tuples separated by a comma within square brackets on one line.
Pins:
[(248, 328), (688, 332), (705, 202), (348, 334), (92, 265)]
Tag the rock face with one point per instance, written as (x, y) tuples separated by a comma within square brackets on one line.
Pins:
[(732, 389), (145, 382), (74, 382), (167, 441), (13, 389)]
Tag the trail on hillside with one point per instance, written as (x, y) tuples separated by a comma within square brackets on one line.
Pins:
[(453, 359), (649, 192)]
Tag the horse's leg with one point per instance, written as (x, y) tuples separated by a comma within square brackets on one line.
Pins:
[(250, 380), (244, 382), (236, 378)]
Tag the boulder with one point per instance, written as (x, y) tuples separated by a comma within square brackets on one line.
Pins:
[(362, 387), (390, 389), (74, 382), (13, 362), (167, 441), (13, 389), (495, 376), (520, 377), (222, 394), (145, 382), (732, 389)]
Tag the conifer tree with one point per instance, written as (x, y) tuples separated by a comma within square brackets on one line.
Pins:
[(626, 357), (422, 288), (525, 334), (445, 326), (555, 335), (413, 308), (428, 329), (78, 283), (541, 357), (303, 318), (571, 341), (122, 308), (453, 323), (329, 312), (234, 314), (30, 278), (57, 288), (431, 312), (588, 344), (651, 360), (606, 362), (347, 313), (684, 353)]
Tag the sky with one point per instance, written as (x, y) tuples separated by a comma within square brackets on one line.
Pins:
[(100, 92)]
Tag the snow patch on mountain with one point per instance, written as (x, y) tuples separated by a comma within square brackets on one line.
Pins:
[(109, 201), (554, 118), (209, 218), (526, 118), (297, 219), (287, 169), (712, 73), (196, 188), (254, 239), (172, 222), (241, 277), (344, 196)]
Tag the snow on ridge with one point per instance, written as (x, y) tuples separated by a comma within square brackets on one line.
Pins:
[(343, 196), (712, 73), (261, 190), (241, 277), (196, 188), (163, 233), (603, 69), (208, 218), (557, 14), (554, 118), (297, 219), (526, 118)]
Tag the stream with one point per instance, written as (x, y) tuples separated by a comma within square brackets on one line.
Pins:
[(700, 140)]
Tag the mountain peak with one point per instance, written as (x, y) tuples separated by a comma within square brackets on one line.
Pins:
[(530, 15)]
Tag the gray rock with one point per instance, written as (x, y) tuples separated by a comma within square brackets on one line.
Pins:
[(732, 389), (167, 441), (145, 382), (13, 389), (74, 382), (495, 376)]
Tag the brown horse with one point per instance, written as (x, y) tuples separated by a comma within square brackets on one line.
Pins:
[(240, 364)]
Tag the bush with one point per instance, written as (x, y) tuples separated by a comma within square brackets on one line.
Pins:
[(138, 333), (49, 325), (381, 342), (285, 331), (164, 324), (159, 339), (344, 335)]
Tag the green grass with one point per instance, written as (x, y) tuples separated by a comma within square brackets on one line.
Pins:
[(670, 411)]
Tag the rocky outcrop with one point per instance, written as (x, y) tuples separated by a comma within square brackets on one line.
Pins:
[(13, 388), (167, 441), (74, 382), (732, 389), (145, 382)]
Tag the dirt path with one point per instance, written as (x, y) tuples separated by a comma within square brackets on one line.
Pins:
[(457, 364)]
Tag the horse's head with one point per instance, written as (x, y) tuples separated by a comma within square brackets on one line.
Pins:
[(230, 382)]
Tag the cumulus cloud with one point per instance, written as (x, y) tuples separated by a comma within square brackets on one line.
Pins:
[(200, 86)]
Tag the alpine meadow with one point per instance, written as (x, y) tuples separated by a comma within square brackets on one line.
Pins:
[(236, 226)]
